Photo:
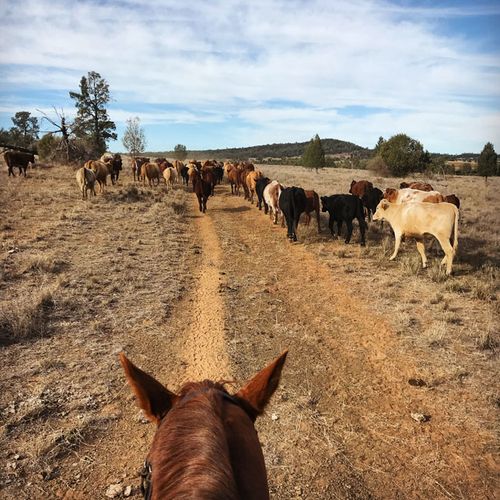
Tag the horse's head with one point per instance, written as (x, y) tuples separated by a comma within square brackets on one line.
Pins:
[(205, 439)]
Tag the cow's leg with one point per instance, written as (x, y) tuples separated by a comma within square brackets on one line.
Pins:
[(362, 229), (449, 253), (421, 251), (339, 228), (331, 222), (349, 230), (23, 169), (308, 218), (266, 207), (318, 220), (397, 243)]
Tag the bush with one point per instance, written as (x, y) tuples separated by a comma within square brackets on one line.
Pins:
[(378, 166), (403, 155)]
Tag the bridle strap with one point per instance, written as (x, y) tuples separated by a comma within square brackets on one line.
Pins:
[(146, 484)]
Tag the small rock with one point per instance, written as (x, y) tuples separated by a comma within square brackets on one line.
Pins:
[(420, 417), (274, 417), (127, 491), (114, 490), (417, 382)]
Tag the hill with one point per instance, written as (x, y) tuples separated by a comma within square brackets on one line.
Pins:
[(277, 150)]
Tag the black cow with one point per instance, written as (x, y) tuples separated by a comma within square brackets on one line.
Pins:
[(184, 175), (344, 208), (292, 203), (370, 201), (260, 185), (19, 160), (116, 166), (218, 174)]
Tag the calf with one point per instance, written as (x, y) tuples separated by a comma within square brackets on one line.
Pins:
[(312, 206), (292, 202), (101, 172), (170, 176), (416, 219), (184, 175), (344, 208), (251, 181), (85, 179), (137, 163)]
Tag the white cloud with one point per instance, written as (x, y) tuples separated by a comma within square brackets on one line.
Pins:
[(220, 59)]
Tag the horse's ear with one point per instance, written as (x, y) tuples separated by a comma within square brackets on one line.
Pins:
[(260, 388), (152, 397)]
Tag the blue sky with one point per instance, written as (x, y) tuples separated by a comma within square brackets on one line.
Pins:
[(229, 73)]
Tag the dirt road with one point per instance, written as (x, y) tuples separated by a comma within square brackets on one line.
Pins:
[(339, 426)]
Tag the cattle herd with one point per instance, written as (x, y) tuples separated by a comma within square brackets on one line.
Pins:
[(412, 210)]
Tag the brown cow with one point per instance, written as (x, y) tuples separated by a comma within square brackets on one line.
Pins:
[(360, 188), (202, 190), (421, 186), (312, 205), (452, 198), (152, 172)]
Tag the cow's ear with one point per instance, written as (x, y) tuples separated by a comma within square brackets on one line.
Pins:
[(152, 397), (260, 388), (384, 204)]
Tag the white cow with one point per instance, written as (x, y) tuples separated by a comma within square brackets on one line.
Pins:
[(407, 194), (416, 219), (271, 196)]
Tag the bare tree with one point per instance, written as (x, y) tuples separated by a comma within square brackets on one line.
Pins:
[(134, 139), (62, 127)]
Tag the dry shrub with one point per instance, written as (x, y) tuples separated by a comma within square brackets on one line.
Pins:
[(130, 194), (26, 317), (437, 272), (436, 333), (42, 264), (411, 264), (378, 166)]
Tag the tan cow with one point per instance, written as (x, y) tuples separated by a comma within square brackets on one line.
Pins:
[(101, 171), (151, 171), (86, 181), (407, 194), (271, 197), (416, 219), (170, 176), (251, 181)]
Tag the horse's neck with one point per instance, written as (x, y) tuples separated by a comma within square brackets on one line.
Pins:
[(190, 456)]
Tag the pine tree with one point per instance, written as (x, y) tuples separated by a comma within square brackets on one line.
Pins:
[(487, 163), (92, 122), (314, 155), (25, 130)]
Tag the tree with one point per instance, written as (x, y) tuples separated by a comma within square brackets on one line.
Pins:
[(65, 149), (402, 155), (487, 162), (25, 130), (379, 144), (92, 122), (314, 155), (180, 152), (134, 139)]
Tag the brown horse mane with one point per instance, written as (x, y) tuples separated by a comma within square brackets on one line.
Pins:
[(191, 456)]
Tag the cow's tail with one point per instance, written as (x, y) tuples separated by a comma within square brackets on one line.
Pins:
[(294, 211), (455, 231)]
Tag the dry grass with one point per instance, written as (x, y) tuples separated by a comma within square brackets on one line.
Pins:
[(26, 317)]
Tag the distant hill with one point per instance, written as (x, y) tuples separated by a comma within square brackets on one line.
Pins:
[(278, 150)]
